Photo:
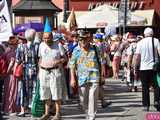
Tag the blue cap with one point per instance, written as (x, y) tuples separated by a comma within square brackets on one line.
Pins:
[(47, 27), (98, 36)]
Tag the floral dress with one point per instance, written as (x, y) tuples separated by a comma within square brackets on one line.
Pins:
[(26, 54)]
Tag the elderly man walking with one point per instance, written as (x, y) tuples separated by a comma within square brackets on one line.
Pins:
[(51, 59), (84, 63), (145, 59)]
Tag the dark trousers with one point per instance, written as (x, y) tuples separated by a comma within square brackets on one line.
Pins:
[(1, 93), (147, 77)]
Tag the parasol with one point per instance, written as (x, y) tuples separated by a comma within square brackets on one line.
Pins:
[(39, 27)]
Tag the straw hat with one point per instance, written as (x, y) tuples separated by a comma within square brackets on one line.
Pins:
[(115, 38)]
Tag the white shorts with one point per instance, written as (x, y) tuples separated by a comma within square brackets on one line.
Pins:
[(50, 84)]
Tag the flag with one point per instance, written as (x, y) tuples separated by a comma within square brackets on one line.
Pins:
[(71, 21), (5, 22)]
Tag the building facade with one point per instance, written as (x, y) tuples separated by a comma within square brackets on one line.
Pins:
[(83, 5)]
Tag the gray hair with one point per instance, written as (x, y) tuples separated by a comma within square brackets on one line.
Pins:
[(148, 32), (30, 34)]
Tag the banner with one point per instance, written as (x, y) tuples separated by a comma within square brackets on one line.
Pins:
[(5, 22)]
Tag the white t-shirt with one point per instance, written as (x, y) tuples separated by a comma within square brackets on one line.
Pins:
[(144, 48), (49, 54)]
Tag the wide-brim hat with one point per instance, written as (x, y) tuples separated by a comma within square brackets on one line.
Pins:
[(21, 36), (83, 34), (13, 40)]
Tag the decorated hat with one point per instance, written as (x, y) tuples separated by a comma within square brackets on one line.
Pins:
[(58, 36), (74, 34), (47, 27), (98, 36)]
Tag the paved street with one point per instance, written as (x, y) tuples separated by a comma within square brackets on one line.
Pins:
[(125, 105)]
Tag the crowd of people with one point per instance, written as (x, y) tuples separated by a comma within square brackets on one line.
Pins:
[(70, 63)]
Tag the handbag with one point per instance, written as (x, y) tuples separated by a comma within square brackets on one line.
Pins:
[(156, 66), (19, 70)]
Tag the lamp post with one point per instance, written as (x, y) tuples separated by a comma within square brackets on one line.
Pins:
[(65, 14), (9, 2), (125, 16)]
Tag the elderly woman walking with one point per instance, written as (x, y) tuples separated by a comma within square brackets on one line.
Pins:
[(10, 82), (26, 55)]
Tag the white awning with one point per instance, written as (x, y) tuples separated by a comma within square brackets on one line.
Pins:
[(105, 15), (147, 14)]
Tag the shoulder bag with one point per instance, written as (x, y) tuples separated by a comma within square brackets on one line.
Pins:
[(156, 66)]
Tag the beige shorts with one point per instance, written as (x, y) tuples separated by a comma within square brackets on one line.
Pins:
[(50, 84)]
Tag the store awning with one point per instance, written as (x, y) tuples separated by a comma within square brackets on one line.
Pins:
[(106, 15), (147, 14)]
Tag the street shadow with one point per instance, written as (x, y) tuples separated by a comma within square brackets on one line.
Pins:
[(115, 92), (111, 109), (111, 116)]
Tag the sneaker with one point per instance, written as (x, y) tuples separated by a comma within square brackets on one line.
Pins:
[(106, 104), (146, 108), (44, 117), (21, 114), (91, 118), (57, 117)]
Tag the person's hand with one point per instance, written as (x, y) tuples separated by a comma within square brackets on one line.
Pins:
[(56, 62), (73, 83)]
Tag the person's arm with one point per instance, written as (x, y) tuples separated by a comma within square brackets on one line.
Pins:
[(63, 57), (11, 65), (72, 66), (158, 47), (130, 57), (73, 81), (138, 56), (129, 63), (137, 61), (62, 60), (102, 63)]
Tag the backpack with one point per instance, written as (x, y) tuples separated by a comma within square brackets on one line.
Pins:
[(38, 107)]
